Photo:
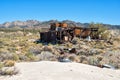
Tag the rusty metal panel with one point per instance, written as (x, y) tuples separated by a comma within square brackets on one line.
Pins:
[(64, 25), (52, 28), (44, 36), (49, 36), (77, 32), (61, 32), (85, 33), (52, 36)]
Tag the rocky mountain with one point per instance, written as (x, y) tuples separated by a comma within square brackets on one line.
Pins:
[(38, 24)]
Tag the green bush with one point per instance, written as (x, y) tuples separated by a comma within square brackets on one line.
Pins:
[(15, 57), (31, 57), (102, 30)]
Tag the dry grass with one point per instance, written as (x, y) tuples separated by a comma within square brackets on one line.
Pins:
[(9, 63), (20, 46)]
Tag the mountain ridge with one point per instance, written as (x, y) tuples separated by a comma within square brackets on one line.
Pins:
[(38, 24)]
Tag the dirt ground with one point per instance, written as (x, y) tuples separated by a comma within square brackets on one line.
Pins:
[(46, 70)]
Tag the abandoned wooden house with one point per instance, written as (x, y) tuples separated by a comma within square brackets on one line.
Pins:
[(61, 32)]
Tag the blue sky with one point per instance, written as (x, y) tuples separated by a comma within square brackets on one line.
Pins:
[(102, 11)]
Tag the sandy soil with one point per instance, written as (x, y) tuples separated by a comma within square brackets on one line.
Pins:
[(46, 70)]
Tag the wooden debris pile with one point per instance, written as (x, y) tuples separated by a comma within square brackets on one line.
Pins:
[(61, 32)]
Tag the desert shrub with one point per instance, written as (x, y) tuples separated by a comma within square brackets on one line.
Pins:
[(31, 57), (22, 57), (99, 58), (112, 58), (75, 40), (94, 52), (8, 56), (1, 65), (12, 49), (15, 57), (95, 60), (47, 48), (85, 62), (74, 58), (46, 55), (9, 71), (101, 33), (35, 50), (2, 44), (9, 63), (83, 58), (82, 52), (117, 38), (115, 64), (69, 45), (105, 35), (56, 51), (89, 52), (92, 61), (5, 56)]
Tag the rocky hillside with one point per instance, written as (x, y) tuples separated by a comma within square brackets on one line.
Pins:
[(38, 24)]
